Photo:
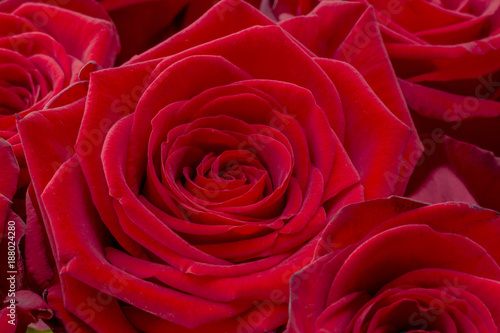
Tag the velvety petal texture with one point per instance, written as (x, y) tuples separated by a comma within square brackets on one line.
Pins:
[(41, 57), (279, 10), (192, 181), (143, 24), (452, 170), (20, 307), (337, 30), (446, 57), (396, 265)]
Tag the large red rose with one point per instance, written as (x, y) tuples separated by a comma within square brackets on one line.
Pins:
[(196, 178), (395, 265)]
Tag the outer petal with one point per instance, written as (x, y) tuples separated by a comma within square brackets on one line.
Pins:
[(373, 154), (451, 170)]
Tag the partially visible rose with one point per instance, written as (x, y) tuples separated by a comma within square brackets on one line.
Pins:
[(338, 30), (449, 71), (395, 265), (279, 10), (452, 170), (19, 307), (41, 56), (445, 54), (196, 178), (447, 67), (46, 47), (43, 47), (143, 24)]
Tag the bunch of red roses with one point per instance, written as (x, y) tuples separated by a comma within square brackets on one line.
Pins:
[(241, 166)]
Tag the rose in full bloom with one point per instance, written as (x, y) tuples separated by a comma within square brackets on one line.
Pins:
[(19, 307), (395, 265), (192, 181)]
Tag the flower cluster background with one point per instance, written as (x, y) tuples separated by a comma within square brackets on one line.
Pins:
[(237, 166)]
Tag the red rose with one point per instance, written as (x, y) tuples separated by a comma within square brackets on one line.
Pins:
[(279, 10), (330, 31), (143, 24), (395, 265), (19, 306), (449, 73), (447, 64), (40, 56), (458, 171), (448, 70), (196, 178), (44, 46)]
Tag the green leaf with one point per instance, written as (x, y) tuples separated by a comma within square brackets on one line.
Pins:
[(32, 330)]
